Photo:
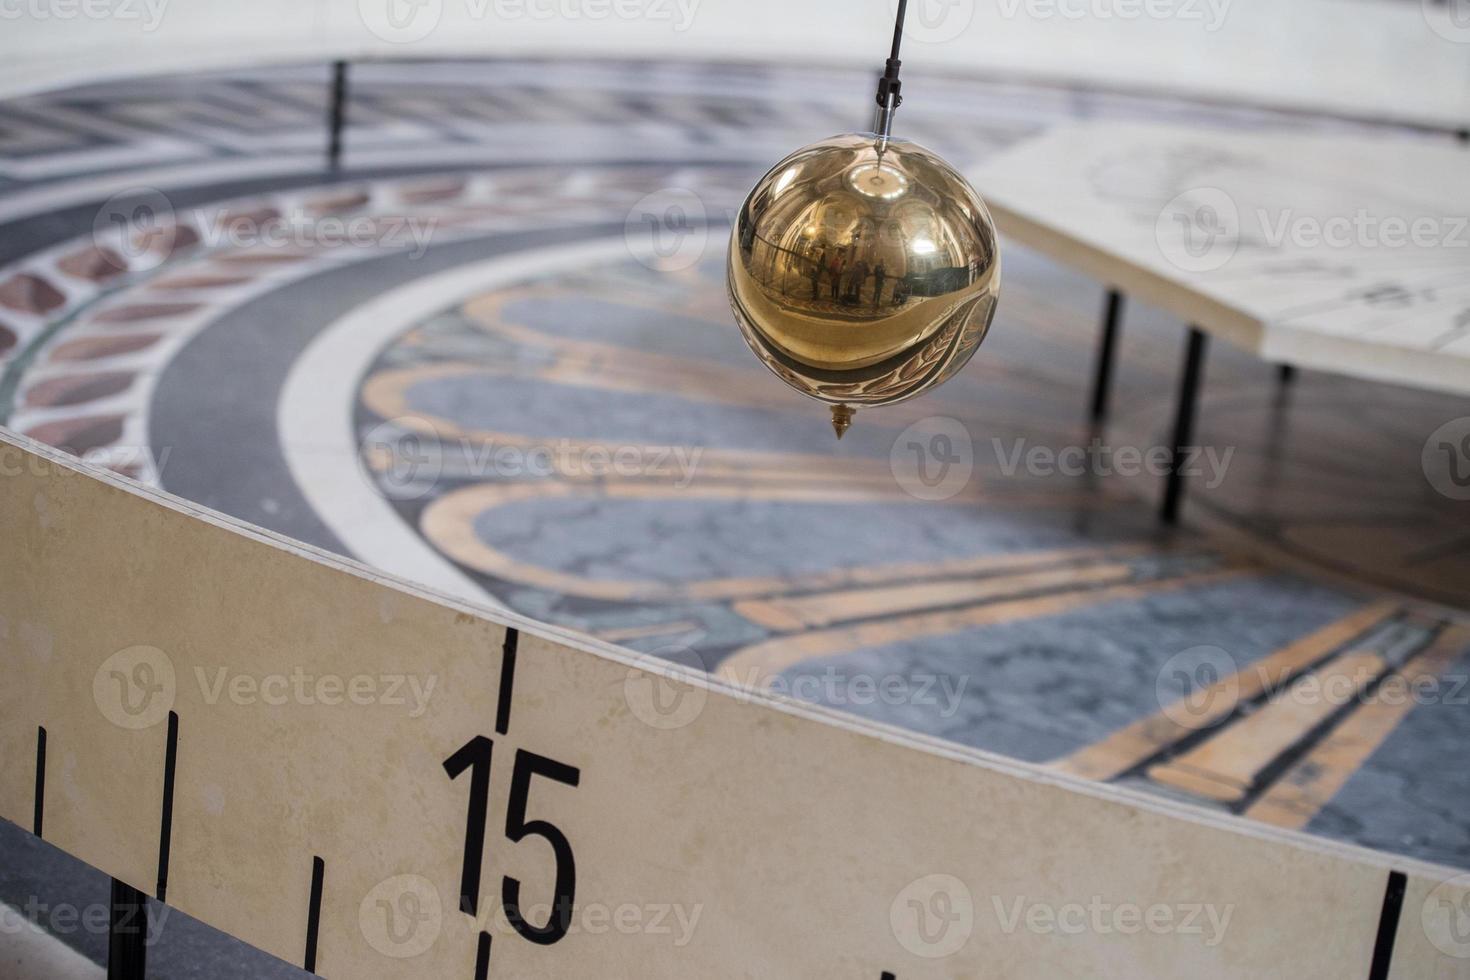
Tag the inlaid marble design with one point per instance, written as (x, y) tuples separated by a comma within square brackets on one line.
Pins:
[(545, 404)]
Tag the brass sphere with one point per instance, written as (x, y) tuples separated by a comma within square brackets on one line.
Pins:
[(863, 271)]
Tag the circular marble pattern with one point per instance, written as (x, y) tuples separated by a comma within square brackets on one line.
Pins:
[(524, 387)]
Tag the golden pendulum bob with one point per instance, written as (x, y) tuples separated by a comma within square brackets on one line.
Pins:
[(863, 269)]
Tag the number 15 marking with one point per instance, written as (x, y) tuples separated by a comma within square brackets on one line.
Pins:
[(475, 756)]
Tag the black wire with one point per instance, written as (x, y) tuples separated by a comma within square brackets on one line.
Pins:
[(903, 7), (889, 87)]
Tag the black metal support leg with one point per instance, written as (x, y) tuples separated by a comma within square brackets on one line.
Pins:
[(128, 934), (1184, 414), (337, 114), (1102, 375), (1286, 374)]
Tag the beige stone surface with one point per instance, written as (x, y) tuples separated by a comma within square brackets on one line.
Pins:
[(803, 842)]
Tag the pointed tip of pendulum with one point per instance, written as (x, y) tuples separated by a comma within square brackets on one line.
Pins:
[(841, 419)]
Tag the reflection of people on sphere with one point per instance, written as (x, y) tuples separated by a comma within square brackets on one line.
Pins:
[(856, 280)]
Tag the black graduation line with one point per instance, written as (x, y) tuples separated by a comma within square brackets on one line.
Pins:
[(314, 914), (166, 821), (507, 680), (40, 780), (1388, 925), (336, 114), (482, 958), (127, 933)]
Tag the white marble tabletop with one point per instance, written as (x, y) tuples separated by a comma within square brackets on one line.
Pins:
[(1348, 254)]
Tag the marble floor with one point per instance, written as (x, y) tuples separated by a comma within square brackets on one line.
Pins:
[(492, 354)]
